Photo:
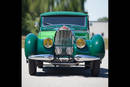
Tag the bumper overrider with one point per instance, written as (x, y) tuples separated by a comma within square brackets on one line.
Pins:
[(49, 58)]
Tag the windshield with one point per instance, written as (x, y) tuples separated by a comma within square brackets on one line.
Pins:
[(57, 20)]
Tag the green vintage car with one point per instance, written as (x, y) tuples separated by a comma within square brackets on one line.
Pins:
[(64, 39)]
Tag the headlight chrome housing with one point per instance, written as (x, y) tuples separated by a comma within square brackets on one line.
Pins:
[(80, 43), (58, 50), (69, 50), (48, 43)]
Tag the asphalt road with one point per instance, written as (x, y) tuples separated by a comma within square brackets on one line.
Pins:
[(65, 77)]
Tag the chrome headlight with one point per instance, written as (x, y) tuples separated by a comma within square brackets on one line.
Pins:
[(48, 43), (58, 50), (69, 50), (80, 43)]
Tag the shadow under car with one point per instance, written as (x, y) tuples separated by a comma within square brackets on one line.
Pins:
[(70, 71)]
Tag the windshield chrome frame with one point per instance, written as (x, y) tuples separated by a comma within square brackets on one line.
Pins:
[(65, 24)]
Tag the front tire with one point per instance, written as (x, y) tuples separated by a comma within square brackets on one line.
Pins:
[(32, 67), (40, 64), (95, 69), (87, 64)]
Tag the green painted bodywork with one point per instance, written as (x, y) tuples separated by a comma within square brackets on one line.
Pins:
[(63, 13), (42, 50), (46, 34), (41, 36), (30, 44), (56, 27), (94, 45), (97, 47)]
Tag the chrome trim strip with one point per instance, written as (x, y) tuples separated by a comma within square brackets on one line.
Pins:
[(64, 63), (49, 57), (80, 58)]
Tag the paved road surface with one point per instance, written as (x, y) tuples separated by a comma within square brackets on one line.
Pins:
[(65, 77)]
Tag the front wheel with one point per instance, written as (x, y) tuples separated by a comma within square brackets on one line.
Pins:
[(40, 64), (32, 67), (87, 64), (95, 69)]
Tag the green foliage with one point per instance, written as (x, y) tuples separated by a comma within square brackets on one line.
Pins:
[(103, 19), (31, 10), (28, 24)]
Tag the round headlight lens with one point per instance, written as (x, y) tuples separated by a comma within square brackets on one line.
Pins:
[(48, 43), (80, 43)]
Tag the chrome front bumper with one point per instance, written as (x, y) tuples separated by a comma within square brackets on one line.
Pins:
[(49, 57), (81, 58), (44, 57)]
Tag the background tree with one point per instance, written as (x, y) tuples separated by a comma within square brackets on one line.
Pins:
[(103, 19), (31, 10)]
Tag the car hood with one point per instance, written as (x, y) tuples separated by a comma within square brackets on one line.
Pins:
[(81, 34), (50, 33), (46, 34)]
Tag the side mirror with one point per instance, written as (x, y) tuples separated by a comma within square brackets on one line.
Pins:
[(92, 34), (102, 34), (90, 23), (36, 24)]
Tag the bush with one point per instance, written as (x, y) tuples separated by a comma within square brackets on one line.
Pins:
[(28, 24)]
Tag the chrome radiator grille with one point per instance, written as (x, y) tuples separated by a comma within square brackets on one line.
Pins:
[(63, 40), (63, 37)]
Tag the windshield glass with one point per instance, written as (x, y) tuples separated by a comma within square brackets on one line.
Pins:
[(57, 20)]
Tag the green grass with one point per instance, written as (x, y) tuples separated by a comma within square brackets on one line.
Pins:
[(105, 40)]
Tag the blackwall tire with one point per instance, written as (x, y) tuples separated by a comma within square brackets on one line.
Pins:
[(87, 64), (40, 64), (32, 67), (95, 70)]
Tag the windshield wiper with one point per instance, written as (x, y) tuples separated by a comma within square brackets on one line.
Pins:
[(73, 25), (46, 23)]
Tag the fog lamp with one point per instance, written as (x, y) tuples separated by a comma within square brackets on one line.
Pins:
[(69, 50), (58, 50)]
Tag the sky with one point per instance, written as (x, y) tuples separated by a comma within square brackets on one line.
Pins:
[(96, 9)]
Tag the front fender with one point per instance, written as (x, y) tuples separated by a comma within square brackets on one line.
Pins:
[(96, 46), (30, 44)]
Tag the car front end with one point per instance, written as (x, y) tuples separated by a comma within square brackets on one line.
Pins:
[(64, 43)]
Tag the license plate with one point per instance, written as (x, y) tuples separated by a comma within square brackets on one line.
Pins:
[(64, 59)]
